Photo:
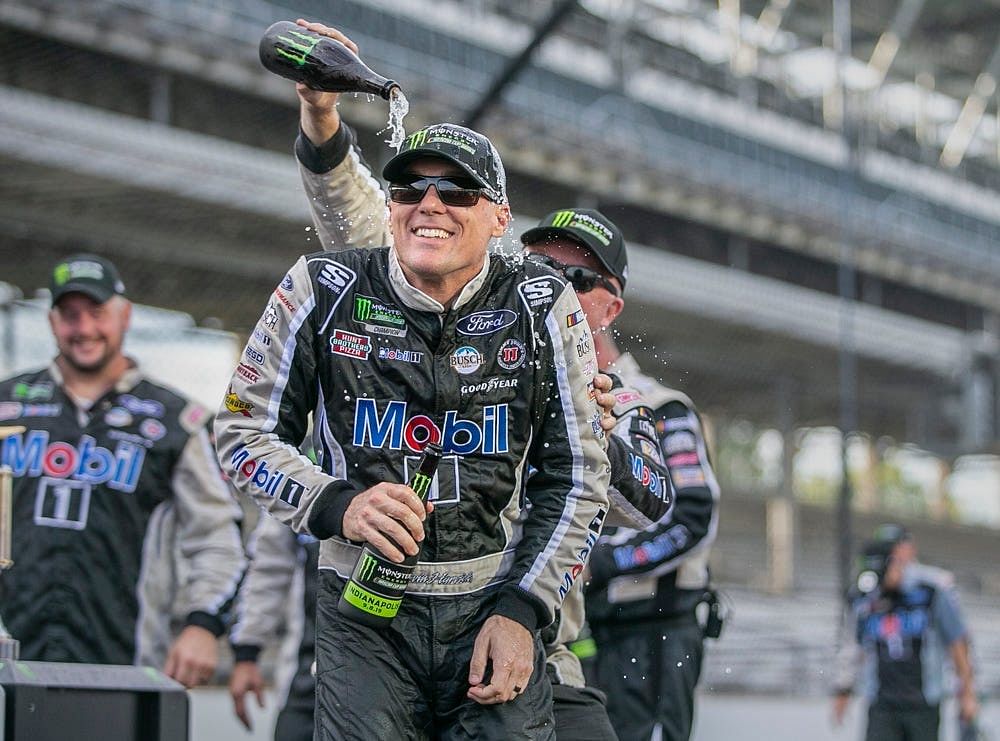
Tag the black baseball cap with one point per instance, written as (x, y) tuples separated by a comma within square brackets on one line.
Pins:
[(90, 275), (592, 229), (468, 149), (890, 534)]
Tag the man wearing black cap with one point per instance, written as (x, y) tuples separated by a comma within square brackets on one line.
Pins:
[(433, 338), (105, 454), (903, 618), (646, 579)]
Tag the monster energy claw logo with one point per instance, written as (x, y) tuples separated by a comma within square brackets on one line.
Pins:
[(367, 570), (420, 485), (303, 47), (416, 139), (362, 308), (563, 218)]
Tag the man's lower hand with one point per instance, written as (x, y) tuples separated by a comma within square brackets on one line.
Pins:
[(246, 678), (193, 657), (511, 649)]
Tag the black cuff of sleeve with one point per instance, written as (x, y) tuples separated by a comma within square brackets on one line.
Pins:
[(245, 652), (327, 516), (618, 456), (212, 623), (323, 158), (522, 608)]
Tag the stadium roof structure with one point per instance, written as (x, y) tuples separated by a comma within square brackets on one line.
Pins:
[(149, 131)]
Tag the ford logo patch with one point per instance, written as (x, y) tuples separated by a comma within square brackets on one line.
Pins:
[(486, 322)]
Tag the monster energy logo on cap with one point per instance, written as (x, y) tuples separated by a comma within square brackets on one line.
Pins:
[(571, 219), (299, 49), (468, 149)]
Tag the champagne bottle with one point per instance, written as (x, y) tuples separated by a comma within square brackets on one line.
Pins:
[(319, 62), (375, 590)]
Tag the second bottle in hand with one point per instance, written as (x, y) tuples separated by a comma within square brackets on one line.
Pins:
[(374, 592)]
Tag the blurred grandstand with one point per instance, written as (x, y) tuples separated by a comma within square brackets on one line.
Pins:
[(777, 226)]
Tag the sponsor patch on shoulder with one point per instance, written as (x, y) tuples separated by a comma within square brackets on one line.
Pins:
[(193, 416), (538, 291)]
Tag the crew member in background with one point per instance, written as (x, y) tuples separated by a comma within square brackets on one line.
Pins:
[(903, 618), (108, 454), (277, 557)]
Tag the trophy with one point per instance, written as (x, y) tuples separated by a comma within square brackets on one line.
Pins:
[(9, 647)]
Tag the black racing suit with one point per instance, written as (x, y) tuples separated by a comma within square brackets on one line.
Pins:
[(348, 210), (87, 485), (499, 380), (646, 583)]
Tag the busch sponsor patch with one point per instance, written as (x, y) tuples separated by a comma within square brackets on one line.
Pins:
[(350, 345), (486, 322), (270, 317), (466, 360), (511, 354), (584, 346)]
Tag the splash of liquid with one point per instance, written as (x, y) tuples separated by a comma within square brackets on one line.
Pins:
[(399, 106)]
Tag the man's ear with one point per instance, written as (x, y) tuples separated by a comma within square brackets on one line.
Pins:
[(503, 219)]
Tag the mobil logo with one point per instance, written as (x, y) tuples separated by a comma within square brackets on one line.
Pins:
[(486, 322), (392, 429), (32, 454), (649, 478), (270, 480)]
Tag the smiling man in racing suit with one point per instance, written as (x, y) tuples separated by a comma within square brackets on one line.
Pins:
[(433, 338), (348, 206), (108, 455)]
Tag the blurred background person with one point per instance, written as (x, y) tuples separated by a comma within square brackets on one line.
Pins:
[(107, 457), (903, 621), (277, 557)]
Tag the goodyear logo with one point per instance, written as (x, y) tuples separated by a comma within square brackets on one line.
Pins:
[(299, 47)]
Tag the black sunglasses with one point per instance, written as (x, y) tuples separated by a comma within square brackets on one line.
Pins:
[(583, 278), (452, 190)]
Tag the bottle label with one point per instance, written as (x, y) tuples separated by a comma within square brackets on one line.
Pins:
[(298, 48), (369, 602), (377, 585)]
